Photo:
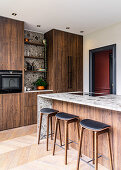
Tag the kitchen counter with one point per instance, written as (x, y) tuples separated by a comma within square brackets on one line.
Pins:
[(111, 102), (32, 91), (106, 109)]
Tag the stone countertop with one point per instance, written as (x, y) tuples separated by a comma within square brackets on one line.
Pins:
[(32, 91), (111, 102)]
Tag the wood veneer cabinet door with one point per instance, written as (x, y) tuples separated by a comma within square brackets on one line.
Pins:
[(5, 30), (34, 99), (60, 72), (64, 64), (65, 61), (72, 56), (17, 45), (34, 115), (50, 61), (30, 108), (1, 111), (28, 112), (28, 99), (12, 110), (11, 44), (75, 55), (79, 66), (18, 111)]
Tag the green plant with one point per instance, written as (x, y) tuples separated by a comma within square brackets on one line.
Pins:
[(40, 82)]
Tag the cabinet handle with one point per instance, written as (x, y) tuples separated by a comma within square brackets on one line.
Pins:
[(69, 72)]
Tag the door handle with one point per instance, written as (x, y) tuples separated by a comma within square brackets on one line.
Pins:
[(69, 72)]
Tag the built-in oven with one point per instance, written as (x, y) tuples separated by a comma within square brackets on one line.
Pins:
[(10, 81)]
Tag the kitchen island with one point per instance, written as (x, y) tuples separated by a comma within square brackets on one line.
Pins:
[(106, 109)]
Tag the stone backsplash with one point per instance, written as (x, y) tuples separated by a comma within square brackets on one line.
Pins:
[(35, 51)]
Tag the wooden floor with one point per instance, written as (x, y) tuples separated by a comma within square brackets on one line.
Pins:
[(19, 151)]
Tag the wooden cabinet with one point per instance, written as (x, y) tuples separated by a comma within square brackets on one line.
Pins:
[(29, 103), (28, 115), (12, 110), (11, 44), (28, 99), (18, 109), (30, 107), (65, 61)]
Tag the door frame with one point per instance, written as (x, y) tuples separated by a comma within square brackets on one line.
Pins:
[(113, 67)]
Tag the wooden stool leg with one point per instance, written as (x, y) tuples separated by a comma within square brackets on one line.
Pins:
[(96, 151), (47, 132), (110, 153), (81, 138), (60, 133), (78, 129), (66, 140), (80, 147), (56, 127), (93, 143), (40, 127), (51, 128)]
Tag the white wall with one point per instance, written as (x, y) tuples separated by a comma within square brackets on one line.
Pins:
[(107, 36)]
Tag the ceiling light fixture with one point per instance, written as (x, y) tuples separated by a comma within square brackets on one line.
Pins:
[(38, 25), (67, 28), (81, 31), (14, 14)]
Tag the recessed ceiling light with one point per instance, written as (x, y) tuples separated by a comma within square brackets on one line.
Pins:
[(81, 31), (14, 14), (67, 28), (38, 25)]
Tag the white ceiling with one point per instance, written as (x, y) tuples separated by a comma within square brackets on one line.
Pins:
[(87, 15)]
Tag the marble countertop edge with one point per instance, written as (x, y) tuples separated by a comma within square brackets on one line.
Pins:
[(32, 91), (110, 102)]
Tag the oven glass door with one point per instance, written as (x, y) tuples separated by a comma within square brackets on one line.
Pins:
[(11, 82)]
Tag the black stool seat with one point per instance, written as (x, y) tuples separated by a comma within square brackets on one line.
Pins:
[(67, 119), (93, 125), (65, 116), (48, 111), (97, 128)]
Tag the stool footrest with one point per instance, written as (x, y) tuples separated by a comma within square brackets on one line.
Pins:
[(60, 146), (71, 141), (44, 136), (88, 162), (94, 159)]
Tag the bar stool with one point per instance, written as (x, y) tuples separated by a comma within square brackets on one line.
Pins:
[(97, 128), (50, 113), (67, 118)]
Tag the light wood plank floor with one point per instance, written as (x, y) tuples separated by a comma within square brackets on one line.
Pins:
[(19, 151)]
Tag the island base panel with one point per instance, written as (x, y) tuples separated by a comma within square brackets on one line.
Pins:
[(112, 118)]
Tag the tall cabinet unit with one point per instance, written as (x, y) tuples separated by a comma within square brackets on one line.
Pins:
[(11, 44), (65, 61), (16, 109), (11, 58)]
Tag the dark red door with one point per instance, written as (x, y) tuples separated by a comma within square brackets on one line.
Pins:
[(102, 72)]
